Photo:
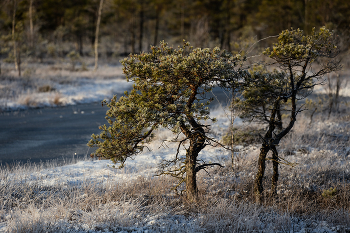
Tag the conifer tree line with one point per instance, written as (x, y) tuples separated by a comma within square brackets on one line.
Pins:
[(41, 27)]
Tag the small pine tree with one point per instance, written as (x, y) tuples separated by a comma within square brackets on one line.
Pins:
[(267, 94), (170, 91)]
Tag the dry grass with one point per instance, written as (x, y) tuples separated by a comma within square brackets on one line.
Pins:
[(43, 80), (45, 88), (57, 99), (312, 196)]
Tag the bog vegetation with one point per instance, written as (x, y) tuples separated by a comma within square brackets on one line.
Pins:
[(286, 168), (171, 89)]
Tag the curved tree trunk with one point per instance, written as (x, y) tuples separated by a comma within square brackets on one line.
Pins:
[(275, 158), (265, 148), (197, 143), (196, 135)]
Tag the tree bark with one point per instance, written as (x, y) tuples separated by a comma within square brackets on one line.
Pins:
[(196, 134), (132, 30), (155, 42), (141, 27), (80, 43), (265, 148), (96, 34), (279, 123), (31, 24), (19, 63), (182, 21), (275, 171), (13, 33), (191, 182), (197, 143), (258, 184), (232, 122), (306, 23), (228, 25)]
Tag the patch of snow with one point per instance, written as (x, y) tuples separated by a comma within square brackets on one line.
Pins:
[(82, 91)]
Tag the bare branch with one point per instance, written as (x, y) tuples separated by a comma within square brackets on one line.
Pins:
[(203, 166)]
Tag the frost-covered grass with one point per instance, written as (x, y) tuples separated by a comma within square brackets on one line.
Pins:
[(56, 85), (92, 196)]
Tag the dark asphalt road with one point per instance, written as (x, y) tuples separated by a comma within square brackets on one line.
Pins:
[(53, 133)]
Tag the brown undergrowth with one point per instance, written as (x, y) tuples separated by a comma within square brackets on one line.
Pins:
[(311, 195)]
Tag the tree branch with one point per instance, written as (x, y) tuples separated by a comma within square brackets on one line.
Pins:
[(203, 166)]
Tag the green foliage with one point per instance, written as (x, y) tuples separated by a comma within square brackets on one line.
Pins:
[(8, 41), (295, 53), (169, 91), (294, 47), (329, 193), (268, 95), (260, 91)]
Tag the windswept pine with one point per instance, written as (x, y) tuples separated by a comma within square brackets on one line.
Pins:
[(170, 91), (302, 61)]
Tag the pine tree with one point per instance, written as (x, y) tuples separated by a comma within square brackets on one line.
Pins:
[(170, 91), (302, 62)]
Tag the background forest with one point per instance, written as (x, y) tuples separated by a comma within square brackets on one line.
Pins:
[(50, 28)]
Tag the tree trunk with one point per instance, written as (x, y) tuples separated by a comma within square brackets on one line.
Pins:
[(96, 34), (306, 26), (330, 96), (275, 159), (19, 63), (182, 21), (141, 27), (155, 42), (80, 44), (258, 184), (228, 25), (31, 24), (337, 90), (265, 148), (232, 122), (222, 37), (132, 30), (275, 171), (279, 123), (191, 182), (197, 143), (13, 33)]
